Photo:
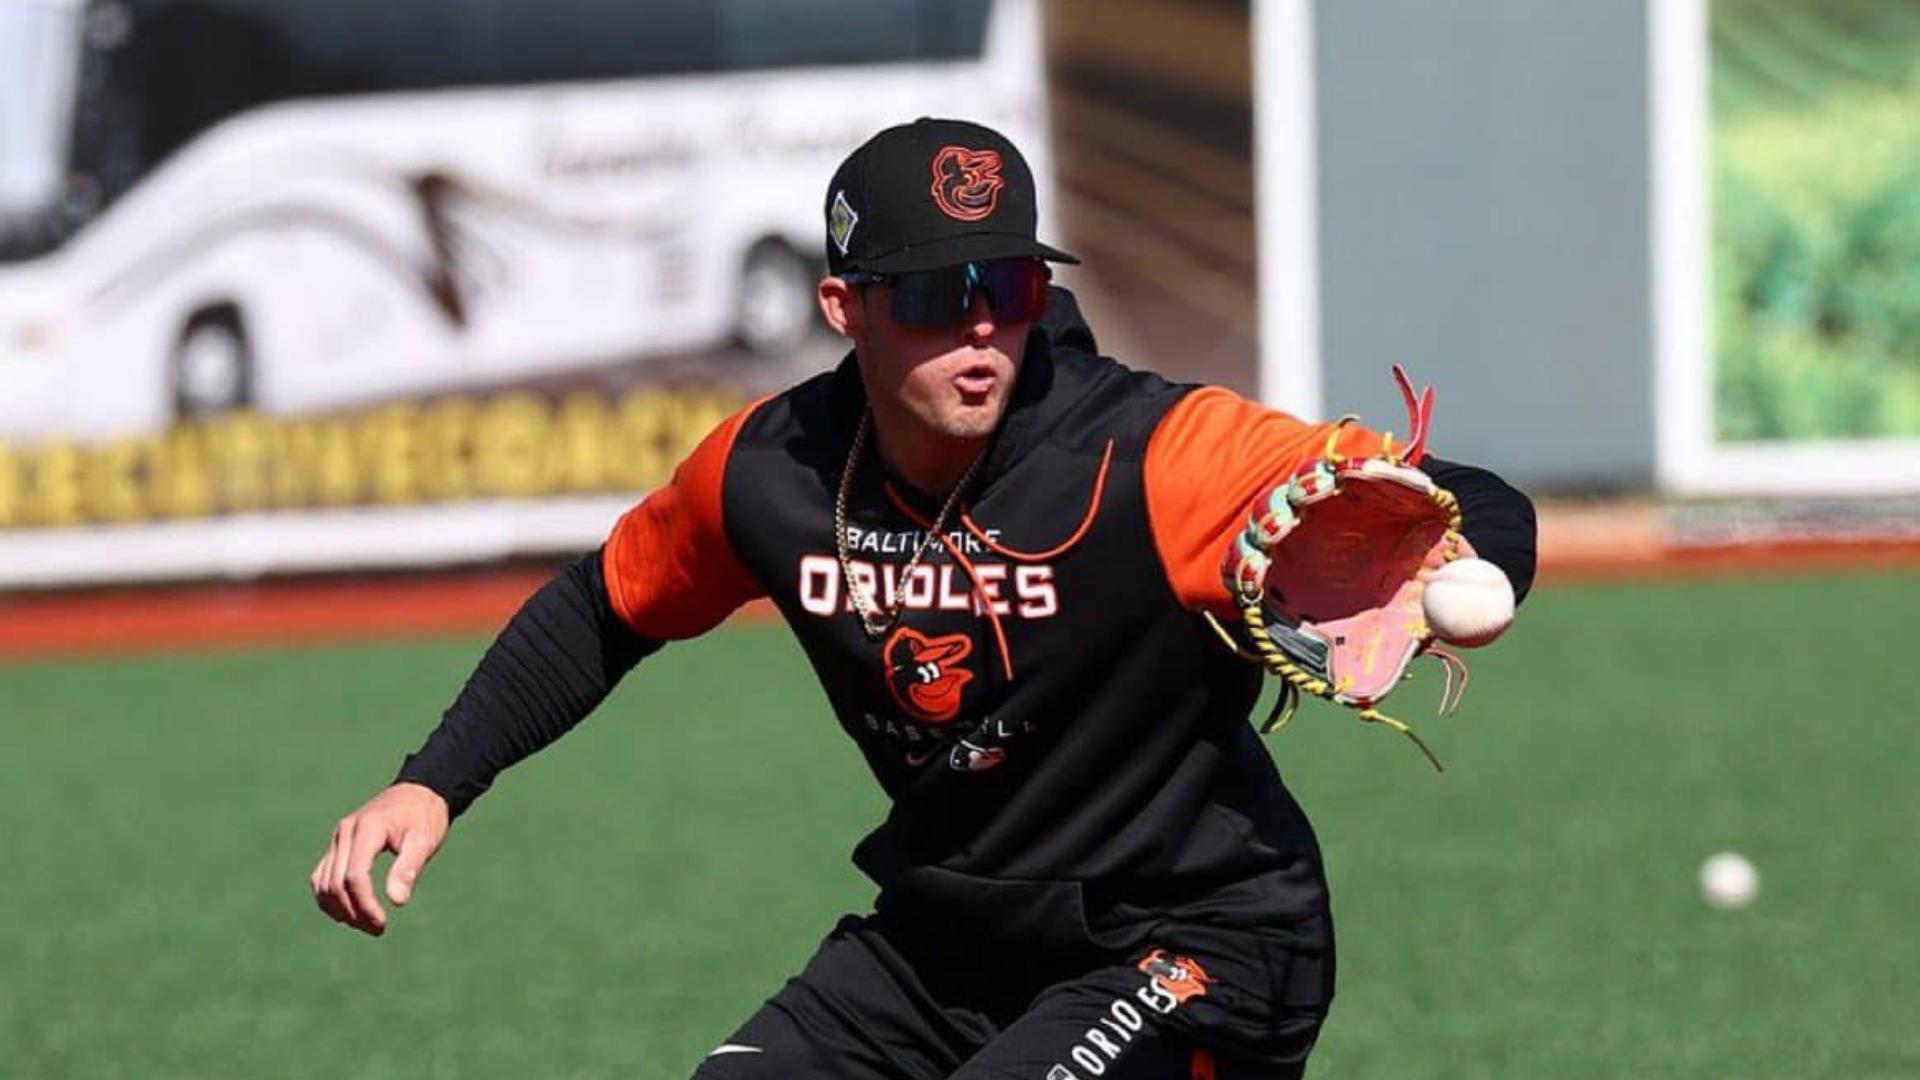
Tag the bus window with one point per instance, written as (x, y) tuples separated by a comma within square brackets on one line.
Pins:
[(39, 44), (788, 33), (196, 65), (380, 46), (512, 41)]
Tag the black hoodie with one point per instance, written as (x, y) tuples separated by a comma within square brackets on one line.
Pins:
[(1065, 743)]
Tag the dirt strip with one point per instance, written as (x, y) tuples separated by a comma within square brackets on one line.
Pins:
[(1732, 560), (274, 614), (265, 614), (1638, 540)]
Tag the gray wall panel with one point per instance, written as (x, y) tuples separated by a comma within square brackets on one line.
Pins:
[(1483, 187)]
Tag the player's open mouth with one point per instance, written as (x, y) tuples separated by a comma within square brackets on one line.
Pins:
[(976, 381)]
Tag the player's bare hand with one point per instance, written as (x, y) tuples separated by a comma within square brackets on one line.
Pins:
[(407, 819)]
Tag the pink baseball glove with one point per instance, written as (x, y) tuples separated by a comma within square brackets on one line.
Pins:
[(1329, 572)]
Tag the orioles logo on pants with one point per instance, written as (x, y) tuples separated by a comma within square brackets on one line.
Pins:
[(1178, 976), (924, 675)]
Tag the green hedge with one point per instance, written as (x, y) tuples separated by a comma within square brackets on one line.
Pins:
[(1816, 169)]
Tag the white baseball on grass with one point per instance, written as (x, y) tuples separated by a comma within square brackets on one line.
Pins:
[(1468, 602), (1728, 881)]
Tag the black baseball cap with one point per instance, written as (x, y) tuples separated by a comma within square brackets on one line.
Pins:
[(929, 194)]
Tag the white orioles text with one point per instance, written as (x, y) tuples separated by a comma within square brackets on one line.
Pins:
[(1026, 591)]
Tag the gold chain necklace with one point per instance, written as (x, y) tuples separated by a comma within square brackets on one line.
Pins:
[(874, 618)]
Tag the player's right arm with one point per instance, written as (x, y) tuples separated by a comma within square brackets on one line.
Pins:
[(667, 572)]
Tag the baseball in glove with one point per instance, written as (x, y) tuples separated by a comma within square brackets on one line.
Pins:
[(1329, 573)]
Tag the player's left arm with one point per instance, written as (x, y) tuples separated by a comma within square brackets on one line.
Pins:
[(1215, 455), (1496, 518)]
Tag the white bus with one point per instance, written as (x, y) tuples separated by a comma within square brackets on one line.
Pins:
[(292, 206)]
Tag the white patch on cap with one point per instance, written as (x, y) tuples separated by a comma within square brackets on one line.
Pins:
[(841, 222)]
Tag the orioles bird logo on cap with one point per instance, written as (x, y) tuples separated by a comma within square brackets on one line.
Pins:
[(924, 675), (967, 183)]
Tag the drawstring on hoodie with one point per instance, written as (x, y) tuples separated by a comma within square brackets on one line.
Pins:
[(973, 527), (1086, 522)]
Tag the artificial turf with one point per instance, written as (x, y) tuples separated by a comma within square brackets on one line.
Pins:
[(615, 906)]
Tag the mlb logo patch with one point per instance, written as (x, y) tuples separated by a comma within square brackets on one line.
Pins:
[(841, 221)]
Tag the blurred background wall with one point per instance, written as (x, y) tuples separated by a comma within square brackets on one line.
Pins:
[(278, 295)]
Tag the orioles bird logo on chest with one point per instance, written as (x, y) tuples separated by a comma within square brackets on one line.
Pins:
[(924, 674)]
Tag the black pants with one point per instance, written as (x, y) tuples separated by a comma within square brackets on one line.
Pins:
[(879, 1002)]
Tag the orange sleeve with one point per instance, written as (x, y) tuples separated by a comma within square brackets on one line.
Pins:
[(1213, 455), (671, 571)]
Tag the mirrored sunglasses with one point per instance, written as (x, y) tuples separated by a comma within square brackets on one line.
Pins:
[(1016, 291)]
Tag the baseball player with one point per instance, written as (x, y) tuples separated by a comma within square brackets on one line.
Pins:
[(996, 548)]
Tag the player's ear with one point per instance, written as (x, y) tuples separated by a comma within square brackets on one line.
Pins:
[(840, 304)]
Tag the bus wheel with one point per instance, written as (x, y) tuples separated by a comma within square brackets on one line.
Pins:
[(212, 364), (777, 309)]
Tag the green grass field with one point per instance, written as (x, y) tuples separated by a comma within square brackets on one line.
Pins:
[(615, 906)]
